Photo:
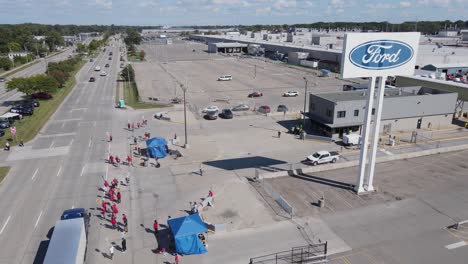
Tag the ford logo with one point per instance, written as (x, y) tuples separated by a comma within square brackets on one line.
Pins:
[(381, 54)]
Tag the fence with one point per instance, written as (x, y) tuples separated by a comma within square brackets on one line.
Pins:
[(313, 253), (278, 198)]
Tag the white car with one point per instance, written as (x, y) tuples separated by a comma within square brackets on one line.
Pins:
[(321, 157), (211, 108), (291, 94), (103, 73), (225, 78), (98, 68)]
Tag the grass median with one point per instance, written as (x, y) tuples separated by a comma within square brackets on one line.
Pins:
[(30, 126), (132, 98), (3, 173)]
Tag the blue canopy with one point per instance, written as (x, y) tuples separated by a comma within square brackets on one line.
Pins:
[(325, 71), (185, 231), (156, 147)]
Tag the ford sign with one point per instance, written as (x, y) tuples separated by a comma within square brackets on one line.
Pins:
[(381, 54)]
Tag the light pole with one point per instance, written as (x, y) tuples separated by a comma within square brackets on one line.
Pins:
[(184, 89), (305, 102)]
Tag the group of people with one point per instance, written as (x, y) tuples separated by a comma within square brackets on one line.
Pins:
[(139, 124), (116, 160)]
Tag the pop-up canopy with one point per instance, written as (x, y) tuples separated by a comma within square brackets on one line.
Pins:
[(185, 231), (156, 147)]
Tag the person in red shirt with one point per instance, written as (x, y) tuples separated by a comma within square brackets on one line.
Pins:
[(111, 159), (113, 221), (128, 126), (110, 138), (210, 194), (103, 212), (156, 227), (176, 258), (129, 160), (106, 184), (104, 204)]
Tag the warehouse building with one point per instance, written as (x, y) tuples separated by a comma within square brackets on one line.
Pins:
[(227, 47), (404, 109)]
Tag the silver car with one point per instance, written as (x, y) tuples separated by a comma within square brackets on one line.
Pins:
[(241, 107)]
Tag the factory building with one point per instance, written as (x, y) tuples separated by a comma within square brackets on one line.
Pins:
[(227, 47)]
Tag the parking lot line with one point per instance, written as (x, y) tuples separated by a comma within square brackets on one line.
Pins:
[(51, 145), (82, 171), (456, 245), (5, 224), (60, 169), (35, 173), (38, 218)]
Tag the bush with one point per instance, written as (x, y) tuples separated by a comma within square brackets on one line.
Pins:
[(5, 63)]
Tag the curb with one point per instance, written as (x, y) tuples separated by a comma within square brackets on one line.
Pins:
[(348, 164)]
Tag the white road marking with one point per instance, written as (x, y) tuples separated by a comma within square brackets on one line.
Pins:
[(76, 109), (34, 175), (89, 144), (63, 125), (386, 152), (71, 142), (4, 225), (38, 218), (60, 169), (51, 145), (67, 120), (456, 245), (82, 171), (73, 206)]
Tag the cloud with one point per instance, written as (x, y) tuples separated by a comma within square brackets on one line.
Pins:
[(148, 3), (281, 4), (263, 11), (106, 4), (405, 4)]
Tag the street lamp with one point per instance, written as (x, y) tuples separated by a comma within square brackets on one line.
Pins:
[(305, 101), (184, 89)]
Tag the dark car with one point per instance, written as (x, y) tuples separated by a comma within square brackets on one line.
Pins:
[(265, 109), (2, 133), (2, 79), (227, 114), (77, 213), (211, 115), (43, 96), (4, 124), (255, 94), (23, 110), (107, 65), (92, 79), (110, 58), (282, 108), (110, 53), (29, 102)]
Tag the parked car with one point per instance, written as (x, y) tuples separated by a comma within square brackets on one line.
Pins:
[(211, 108), (42, 95), (211, 115), (2, 133), (241, 107), (227, 114), (91, 60), (110, 58), (97, 68), (122, 65), (321, 157), (92, 79), (291, 94), (282, 108), (352, 139), (2, 79), (22, 109), (265, 109), (30, 102), (225, 78), (255, 94), (103, 73), (4, 124), (107, 65)]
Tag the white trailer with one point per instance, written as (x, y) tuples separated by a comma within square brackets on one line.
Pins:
[(68, 243)]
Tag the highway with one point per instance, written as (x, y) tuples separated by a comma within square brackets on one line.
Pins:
[(62, 168)]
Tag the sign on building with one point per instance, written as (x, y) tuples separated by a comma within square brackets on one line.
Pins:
[(379, 54)]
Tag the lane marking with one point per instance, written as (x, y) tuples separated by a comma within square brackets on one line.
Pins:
[(60, 169), (4, 225), (89, 144), (63, 125), (35, 173), (456, 245), (386, 152), (51, 145), (38, 218), (71, 142), (82, 171), (73, 206)]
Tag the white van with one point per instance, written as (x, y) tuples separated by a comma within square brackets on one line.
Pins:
[(225, 78), (352, 139), (98, 68)]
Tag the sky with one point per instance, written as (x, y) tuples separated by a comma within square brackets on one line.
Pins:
[(226, 12)]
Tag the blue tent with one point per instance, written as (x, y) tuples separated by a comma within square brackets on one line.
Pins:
[(185, 231), (156, 147)]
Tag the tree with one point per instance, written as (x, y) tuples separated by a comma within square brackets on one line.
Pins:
[(60, 76), (23, 85), (80, 47), (133, 37), (142, 54), (44, 83), (14, 46), (5, 63), (127, 73), (54, 39), (93, 45)]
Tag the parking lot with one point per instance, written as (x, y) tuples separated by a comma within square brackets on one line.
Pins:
[(161, 77)]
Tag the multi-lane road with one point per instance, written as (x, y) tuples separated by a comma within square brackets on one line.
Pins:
[(62, 168)]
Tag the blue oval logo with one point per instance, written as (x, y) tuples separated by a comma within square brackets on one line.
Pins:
[(381, 54)]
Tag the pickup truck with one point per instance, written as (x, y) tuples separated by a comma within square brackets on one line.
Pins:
[(320, 157)]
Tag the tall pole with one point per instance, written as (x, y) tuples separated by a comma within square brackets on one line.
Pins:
[(305, 102), (184, 89)]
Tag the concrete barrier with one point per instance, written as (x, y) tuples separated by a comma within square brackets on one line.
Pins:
[(348, 164)]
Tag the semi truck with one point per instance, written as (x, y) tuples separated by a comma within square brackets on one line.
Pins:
[(69, 240)]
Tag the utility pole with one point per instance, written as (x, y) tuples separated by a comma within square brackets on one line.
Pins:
[(184, 89), (305, 102)]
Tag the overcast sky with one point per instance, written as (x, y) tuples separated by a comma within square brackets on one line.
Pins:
[(224, 12)]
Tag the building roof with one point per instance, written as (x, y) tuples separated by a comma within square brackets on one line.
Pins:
[(230, 45), (449, 65)]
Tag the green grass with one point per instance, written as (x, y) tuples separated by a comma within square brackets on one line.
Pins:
[(30, 126), (132, 98), (3, 173), (134, 58)]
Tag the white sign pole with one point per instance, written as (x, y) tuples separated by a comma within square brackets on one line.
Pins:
[(375, 132), (365, 136)]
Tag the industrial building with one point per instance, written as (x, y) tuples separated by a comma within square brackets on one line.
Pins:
[(450, 68), (227, 47), (404, 109), (464, 34), (324, 40), (448, 33)]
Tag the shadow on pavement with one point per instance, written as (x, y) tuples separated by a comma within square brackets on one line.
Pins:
[(332, 183), (41, 252), (244, 163)]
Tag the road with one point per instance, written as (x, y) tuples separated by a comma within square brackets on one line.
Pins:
[(61, 168)]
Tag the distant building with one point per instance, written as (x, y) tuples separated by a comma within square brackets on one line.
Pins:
[(451, 68), (448, 33), (225, 47), (464, 34), (70, 38), (13, 54), (324, 40), (404, 109)]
